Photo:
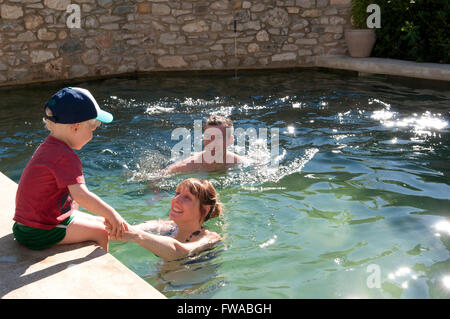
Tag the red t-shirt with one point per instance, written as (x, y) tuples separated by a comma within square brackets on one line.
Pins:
[(43, 199)]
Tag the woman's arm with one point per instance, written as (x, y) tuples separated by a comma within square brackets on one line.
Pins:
[(166, 247)]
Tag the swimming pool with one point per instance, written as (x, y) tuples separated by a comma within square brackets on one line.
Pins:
[(359, 206)]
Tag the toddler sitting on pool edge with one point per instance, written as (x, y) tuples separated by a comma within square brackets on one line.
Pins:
[(52, 183)]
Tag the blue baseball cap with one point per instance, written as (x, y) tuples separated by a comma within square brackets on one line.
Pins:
[(74, 105)]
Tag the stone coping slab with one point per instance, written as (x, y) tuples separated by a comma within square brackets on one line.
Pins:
[(391, 67), (78, 271), (429, 71)]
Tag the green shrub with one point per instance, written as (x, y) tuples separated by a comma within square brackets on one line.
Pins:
[(417, 30), (359, 13)]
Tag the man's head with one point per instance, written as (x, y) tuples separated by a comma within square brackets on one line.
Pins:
[(221, 123)]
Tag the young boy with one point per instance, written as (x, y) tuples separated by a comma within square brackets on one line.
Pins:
[(52, 184)]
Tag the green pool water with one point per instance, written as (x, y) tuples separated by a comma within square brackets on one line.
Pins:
[(359, 206)]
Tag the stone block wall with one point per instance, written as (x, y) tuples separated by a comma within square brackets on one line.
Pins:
[(38, 44)]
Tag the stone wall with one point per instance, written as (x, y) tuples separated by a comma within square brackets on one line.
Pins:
[(116, 36)]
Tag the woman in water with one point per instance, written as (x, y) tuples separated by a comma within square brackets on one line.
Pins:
[(194, 203)]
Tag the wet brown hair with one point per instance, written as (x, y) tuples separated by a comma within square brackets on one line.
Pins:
[(207, 195), (217, 120)]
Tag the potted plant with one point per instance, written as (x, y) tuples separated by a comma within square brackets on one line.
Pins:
[(360, 40)]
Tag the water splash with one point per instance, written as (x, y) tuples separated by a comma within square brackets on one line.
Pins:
[(442, 227), (446, 282), (271, 241), (151, 169), (420, 125), (157, 109)]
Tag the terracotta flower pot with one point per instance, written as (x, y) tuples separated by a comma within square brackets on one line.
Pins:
[(360, 42)]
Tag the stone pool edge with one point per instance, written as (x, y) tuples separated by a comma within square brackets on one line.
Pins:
[(392, 67), (79, 271), (371, 65)]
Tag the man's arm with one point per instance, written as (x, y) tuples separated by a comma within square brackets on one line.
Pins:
[(183, 166)]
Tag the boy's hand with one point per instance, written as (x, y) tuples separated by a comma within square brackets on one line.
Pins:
[(116, 226), (128, 234)]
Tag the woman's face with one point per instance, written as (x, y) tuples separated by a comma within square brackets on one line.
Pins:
[(184, 206)]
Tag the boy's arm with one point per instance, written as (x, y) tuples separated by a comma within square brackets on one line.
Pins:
[(95, 204), (90, 201)]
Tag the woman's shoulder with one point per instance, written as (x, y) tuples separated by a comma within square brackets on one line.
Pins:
[(212, 236), (207, 241), (159, 226)]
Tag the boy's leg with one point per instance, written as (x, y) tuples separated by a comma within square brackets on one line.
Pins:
[(86, 229), (77, 213)]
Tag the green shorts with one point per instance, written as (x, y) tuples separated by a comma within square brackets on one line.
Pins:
[(37, 239)]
